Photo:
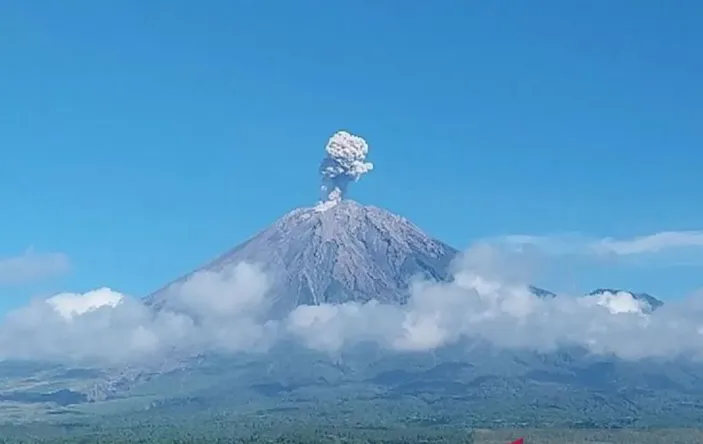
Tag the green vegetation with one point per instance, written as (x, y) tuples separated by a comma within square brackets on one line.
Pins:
[(334, 424), (223, 430)]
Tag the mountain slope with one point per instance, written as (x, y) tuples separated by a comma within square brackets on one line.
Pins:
[(345, 252)]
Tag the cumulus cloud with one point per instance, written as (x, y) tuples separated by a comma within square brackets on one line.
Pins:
[(226, 312), (489, 298), (31, 266), (345, 162), (69, 305), (618, 302), (77, 328), (212, 312), (331, 327), (233, 292), (508, 316)]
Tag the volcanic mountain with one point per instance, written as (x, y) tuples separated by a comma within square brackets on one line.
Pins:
[(336, 253)]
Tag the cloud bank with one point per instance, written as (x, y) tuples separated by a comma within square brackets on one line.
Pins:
[(488, 299)]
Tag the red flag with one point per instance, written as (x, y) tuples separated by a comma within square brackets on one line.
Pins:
[(519, 441)]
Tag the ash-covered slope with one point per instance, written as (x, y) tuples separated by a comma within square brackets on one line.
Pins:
[(336, 253)]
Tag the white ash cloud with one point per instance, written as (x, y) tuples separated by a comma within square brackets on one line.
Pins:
[(487, 299), (345, 162)]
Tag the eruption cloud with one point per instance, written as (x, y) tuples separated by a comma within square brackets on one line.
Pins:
[(344, 163)]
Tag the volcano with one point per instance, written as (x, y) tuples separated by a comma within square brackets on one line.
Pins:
[(334, 254), (338, 250)]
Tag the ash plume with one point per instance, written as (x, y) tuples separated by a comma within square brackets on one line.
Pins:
[(345, 162)]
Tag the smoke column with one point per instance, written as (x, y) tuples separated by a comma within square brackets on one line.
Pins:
[(345, 162)]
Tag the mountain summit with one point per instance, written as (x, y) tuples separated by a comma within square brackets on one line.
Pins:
[(336, 253)]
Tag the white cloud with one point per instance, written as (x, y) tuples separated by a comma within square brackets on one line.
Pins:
[(330, 327), (70, 304), (617, 302), (686, 244), (221, 312), (235, 291), (31, 266), (479, 303), (86, 328), (652, 243), (507, 315)]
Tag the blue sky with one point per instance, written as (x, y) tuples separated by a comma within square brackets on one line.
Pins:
[(140, 139)]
